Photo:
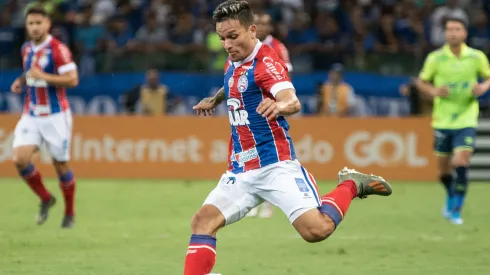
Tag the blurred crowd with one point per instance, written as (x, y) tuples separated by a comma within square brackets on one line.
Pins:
[(178, 34)]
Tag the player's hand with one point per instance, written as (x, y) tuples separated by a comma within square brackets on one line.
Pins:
[(16, 87), (268, 108), (206, 107), (35, 72), (442, 91), (479, 89)]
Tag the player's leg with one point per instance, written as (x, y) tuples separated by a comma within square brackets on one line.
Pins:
[(56, 131), (463, 143), (227, 203), (443, 149), (266, 210), (27, 140), (316, 218)]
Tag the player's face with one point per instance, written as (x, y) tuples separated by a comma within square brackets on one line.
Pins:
[(37, 26), (455, 33), (237, 39), (264, 27)]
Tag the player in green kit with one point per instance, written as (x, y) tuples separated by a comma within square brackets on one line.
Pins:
[(450, 75)]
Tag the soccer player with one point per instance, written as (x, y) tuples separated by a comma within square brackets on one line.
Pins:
[(454, 70), (264, 30), (48, 70), (262, 161)]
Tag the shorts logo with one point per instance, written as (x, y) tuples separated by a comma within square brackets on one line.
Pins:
[(302, 185), (468, 140), (242, 83)]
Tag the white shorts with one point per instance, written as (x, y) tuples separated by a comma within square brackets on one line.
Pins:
[(53, 130), (285, 184)]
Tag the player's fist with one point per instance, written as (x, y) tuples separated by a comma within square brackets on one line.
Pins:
[(35, 72), (479, 89), (16, 87), (206, 106), (268, 108), (442, 91)]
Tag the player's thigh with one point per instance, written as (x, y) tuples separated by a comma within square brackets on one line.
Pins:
[(56, 132), (463, 145), (290, 187), (443, 140), (233, 197), (444, 164), (27, 132)]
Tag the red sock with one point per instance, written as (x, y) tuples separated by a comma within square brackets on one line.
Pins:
[(201, 255), (336, 203), (67, 186), (33, 178)]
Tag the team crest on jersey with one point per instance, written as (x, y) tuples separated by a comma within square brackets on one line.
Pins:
[(242, 83), (231, 81), (43, 61)]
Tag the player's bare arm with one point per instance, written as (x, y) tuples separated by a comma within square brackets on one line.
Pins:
[(429, 89), (286, 104), (481, 88), (16, 86), (67, 80), (208, 104)]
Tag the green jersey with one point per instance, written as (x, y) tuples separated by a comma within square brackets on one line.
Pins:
[(460, 109)]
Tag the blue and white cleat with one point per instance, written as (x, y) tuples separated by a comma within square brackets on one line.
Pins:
[(456, 218)]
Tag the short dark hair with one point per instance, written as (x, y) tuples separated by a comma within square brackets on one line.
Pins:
[(234, 10), (455, 19), (37, 10)]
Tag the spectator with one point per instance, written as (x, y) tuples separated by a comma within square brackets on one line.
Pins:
[(336, 98), (7, 37), (387, 41), (331, 43), (150, 98), (479, 33), (120, 38), (150, 37), (450, 9), (420, 104)]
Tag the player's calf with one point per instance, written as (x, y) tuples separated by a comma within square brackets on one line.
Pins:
[(201, 252), (67, 186), (22, 161)]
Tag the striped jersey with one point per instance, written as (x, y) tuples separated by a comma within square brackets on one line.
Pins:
[(256, 142), (53, 57), (280, 49)]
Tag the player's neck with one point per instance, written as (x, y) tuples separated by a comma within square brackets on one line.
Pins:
[(40, 41), (455, 49)]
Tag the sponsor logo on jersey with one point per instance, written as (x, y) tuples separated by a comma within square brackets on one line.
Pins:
[(246, 156), (236, 115)]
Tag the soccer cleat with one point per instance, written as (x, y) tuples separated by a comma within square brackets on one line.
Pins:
[(366, 184), (456, 218), (447, 210), (44, 208), (253, 212), (68, 221)]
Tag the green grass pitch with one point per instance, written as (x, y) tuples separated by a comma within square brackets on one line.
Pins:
[(142, 228)]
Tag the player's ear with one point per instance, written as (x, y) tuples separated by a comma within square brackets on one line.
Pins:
[(253, 31)]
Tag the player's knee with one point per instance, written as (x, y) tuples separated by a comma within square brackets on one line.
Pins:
[(20, 161), (207, 220), (462, 159), (319, 232)]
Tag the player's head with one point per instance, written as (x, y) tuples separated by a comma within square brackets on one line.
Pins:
[(455, 31), (152, 77), (234, 25), (37, 23), (335, 73), (264, 25)]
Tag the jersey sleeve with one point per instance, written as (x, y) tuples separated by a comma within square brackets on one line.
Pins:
[(483, 66), (62, 59), (429, 68), (271, 75)]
